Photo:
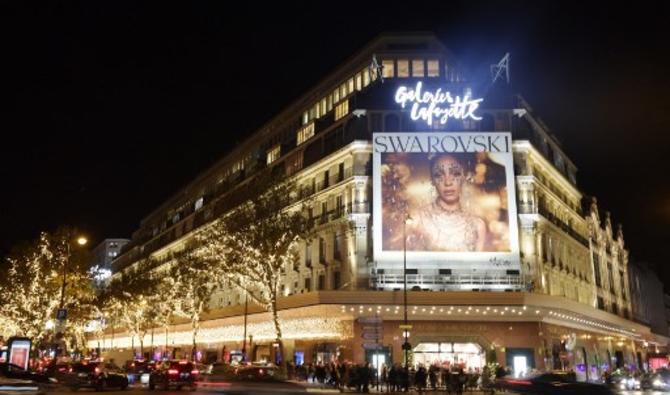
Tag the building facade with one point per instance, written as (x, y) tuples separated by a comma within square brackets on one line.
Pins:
[(537, 280)]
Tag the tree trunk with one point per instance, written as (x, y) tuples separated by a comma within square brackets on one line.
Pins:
[(280, 342)]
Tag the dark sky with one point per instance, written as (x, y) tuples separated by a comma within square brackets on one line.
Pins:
[(110, 107)]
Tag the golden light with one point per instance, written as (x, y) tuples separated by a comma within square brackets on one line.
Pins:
[(82, 241)]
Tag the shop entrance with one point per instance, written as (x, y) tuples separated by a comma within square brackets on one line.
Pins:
[(447, 354)]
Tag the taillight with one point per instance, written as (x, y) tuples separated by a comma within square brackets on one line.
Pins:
[(195, 372), (173, 371), (70, 370), (520, 382), (97, 370), (260, 371)]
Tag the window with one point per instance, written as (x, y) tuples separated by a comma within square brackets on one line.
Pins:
[(176, 218), (322, 282), (326, 178), (366, 77), (324, 209), (322, 250), (237, 166), (341, 110), (308, 284), (433, 68), (388, 70), (198, 204), (305, 118), (596, 269), (329, 103), (623, 284), (359, 81), (403, 68), (340, 172), (294, 163), (305, 133), (308, 255), (273, 153), (337, 246), (418, 68), (339, 207), (601, 303), (350, 86), (336, 280)]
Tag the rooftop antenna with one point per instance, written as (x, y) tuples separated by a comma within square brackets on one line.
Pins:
[(497, 69), (375, 69)]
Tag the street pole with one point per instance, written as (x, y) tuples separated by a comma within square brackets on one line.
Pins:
[(244, 338), (65, 263), (404, 275)]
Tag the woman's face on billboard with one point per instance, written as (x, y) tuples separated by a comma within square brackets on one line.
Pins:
[(447, 176)]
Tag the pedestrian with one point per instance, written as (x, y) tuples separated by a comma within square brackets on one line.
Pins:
[(420, 379), (432, 377)]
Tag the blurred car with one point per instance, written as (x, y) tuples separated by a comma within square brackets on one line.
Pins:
[(10, 386), (138, 371), (660, 381), (551, 383), (257, 373), (97, 375), (12, 371), (59, 371), (175, 374), (622, 381)]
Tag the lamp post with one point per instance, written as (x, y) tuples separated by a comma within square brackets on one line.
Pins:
[(61, 316), (405, 346)]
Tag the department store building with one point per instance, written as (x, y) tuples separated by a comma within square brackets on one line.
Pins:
[(405, 159)]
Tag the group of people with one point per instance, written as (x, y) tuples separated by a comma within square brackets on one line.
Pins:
[(348, 376)]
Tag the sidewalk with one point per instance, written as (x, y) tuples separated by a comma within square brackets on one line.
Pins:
[(327, 389)]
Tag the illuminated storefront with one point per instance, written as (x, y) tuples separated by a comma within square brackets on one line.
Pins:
[(410, 164)]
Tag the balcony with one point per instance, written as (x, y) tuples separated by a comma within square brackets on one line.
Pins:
[(450, 282)]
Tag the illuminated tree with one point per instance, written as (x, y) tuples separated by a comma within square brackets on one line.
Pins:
[(195, 278), (256, 241), (33, 283), (129, 297)]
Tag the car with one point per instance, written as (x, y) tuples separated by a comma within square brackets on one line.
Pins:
[(59, 371), (175, 374), (552, 383), (257, 373), (139, 370), (9, 386), (97, 375), (660, 381), (12, 371)]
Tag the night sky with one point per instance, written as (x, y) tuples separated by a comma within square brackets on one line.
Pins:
[(111, 107)]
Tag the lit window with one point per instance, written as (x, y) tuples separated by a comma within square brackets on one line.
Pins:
[(237, 166), (312, 113), (359, 81), (366, 78), (350, 86), (305, 133), (273, 153), (317, 111), (403, 68), (176, 218), (343, 90), (198, 204), (336, 95), (433, 68), (389, 69), (417, 68), (329, 103), (305, 118), (323, 107), (342, 109)]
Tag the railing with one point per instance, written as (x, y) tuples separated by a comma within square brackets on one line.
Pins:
[(558, 222), (450, 281)]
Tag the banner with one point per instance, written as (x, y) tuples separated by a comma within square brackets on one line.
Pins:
[(456, 191)]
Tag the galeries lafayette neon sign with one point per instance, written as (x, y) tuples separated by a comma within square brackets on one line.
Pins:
[(436, 105)]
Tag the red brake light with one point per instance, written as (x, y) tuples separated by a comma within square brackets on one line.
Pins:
[(183, 362), (173, 371), (520, 382), (195, 372), (62, 369), (260, 371)]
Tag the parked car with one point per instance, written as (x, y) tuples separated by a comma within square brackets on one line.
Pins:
[(97, 375), (175, 374), (138, 371), (660, 381), (552, 384), (59, 371), (12, 371)]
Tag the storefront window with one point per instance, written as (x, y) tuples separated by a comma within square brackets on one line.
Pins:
[(417, 68), (403, 68)]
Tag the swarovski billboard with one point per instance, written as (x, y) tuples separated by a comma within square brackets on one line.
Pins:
[(445, 197)]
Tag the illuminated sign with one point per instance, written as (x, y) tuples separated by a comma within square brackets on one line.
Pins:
[(446, 199), (436, 105)]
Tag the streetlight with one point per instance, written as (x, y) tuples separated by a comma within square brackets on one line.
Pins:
[(61, 316), (405, 346)]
